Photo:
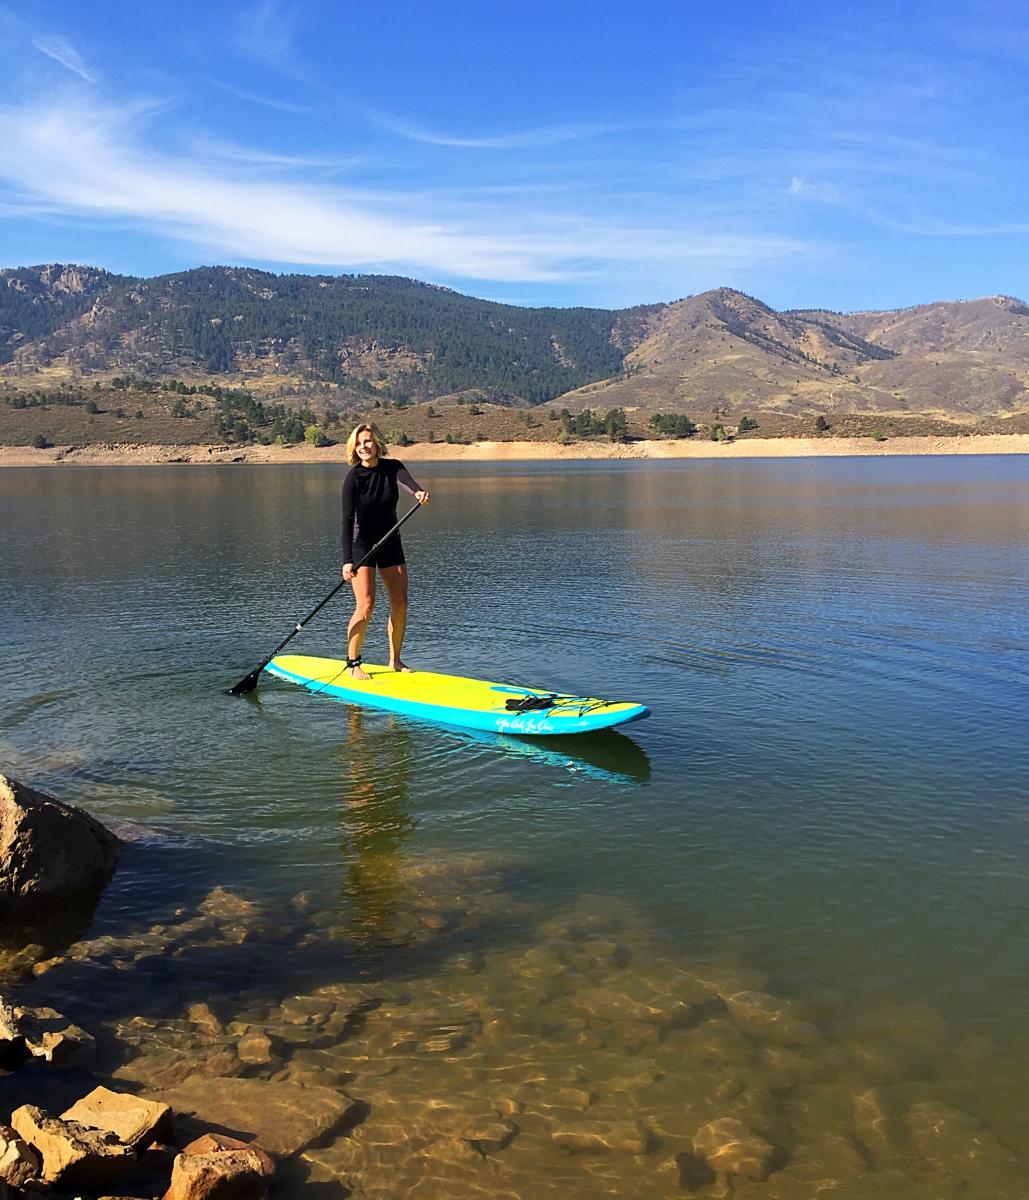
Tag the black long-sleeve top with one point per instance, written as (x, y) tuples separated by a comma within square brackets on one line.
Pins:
[(370, 497)]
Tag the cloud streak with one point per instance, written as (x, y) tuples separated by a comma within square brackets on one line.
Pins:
[(217, 150), (62, 51), (527, 139), (287, 106), (266, 33), (86, 160)]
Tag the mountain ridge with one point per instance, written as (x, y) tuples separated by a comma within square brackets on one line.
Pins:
[(361, 340)]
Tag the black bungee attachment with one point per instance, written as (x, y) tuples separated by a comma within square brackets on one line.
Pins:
[(532, 703)]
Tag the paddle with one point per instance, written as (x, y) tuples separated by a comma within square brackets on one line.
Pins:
[(249, 682)]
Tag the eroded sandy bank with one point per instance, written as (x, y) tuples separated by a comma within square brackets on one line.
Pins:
[(130, 455)]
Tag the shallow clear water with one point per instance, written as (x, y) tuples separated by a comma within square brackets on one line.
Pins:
[(831, 790)]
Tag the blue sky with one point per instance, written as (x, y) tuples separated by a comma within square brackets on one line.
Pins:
[(845, 156)]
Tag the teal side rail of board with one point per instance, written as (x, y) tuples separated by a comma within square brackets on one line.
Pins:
[(455, 700)]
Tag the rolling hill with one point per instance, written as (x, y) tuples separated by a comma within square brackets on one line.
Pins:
[(956, 360), (350, 343)]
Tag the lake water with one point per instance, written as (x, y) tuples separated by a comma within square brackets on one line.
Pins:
[(796, 896)]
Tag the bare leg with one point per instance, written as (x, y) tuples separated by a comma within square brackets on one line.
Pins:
[(363, 584), (395, 579)]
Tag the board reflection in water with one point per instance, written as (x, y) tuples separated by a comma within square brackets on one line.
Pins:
[(607, 756)]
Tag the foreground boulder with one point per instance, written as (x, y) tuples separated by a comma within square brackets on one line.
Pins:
[(217, 1167), (73, 1156), (19, 1163), (50, 853)]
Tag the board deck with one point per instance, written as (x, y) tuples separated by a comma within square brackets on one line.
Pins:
[(453, 699)]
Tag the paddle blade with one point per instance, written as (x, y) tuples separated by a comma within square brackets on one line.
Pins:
[(248, 684)]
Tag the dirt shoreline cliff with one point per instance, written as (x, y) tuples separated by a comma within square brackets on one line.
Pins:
[(135, 455)]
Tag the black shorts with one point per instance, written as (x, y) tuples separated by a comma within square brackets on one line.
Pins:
[(389, 555)]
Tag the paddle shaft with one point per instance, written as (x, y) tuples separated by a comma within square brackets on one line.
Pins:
[(249, 682)]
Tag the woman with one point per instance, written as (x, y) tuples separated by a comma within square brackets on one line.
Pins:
[(370, 493)]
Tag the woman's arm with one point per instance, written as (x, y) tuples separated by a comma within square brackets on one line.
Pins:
[(408, 483), (347, 533)]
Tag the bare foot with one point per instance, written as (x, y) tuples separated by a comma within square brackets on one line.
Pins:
[(358, 673), (402, 667)]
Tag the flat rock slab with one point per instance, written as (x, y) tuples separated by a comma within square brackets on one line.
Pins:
[(282, 1117), (133, 1120), (602, 1137)]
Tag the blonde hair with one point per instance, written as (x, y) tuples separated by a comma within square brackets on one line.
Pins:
[(381, 449)]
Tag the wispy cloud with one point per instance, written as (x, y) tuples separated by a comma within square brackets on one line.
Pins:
[(553, 135), (287, 106), (934, 227), (813, 191), (266, 31), (87, 160), (63, 51), (216, 150)]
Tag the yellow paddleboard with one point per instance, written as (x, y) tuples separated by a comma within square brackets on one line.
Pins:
[(454, 700)]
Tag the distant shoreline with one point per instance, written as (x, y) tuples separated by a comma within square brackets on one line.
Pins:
[(132, 455)]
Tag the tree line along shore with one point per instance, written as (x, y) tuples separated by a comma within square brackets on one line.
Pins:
[(129, 411)]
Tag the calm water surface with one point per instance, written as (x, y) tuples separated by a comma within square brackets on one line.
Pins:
[(831, 792)]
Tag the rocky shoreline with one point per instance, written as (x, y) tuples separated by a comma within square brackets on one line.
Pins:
[(55, 857), (131, 454), (592, 1063), (471, 1042)]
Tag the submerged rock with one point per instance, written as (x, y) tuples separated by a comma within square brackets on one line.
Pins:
[(255, 1048), (878, 1123), (40, 1033), (771, 1020), (956, 1144), (50, 853), (732, 1148), (53, 1038), (597, 1137), (284, 1117), (222, 904)]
